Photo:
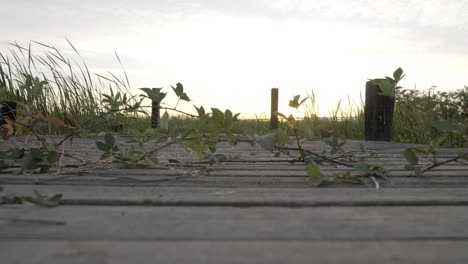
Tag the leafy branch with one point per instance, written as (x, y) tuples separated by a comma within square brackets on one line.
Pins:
[(38, 199)]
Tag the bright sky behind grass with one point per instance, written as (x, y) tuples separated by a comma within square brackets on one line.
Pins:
[(230, 53)]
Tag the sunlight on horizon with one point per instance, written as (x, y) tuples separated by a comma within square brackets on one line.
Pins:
[(231, 61), (227, 62), (243, 61)]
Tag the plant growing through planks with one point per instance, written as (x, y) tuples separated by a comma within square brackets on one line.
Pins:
[(114, 105), (281, 143), (38, 199), (436, 129)]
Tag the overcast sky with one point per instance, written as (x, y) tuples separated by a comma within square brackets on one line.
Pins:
[(228, 54)]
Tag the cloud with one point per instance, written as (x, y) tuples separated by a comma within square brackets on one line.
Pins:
[(286, 43)]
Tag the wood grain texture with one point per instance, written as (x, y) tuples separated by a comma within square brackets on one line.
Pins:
[(256, 208)]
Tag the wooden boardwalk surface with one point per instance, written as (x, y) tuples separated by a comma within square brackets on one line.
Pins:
[(257, 209)]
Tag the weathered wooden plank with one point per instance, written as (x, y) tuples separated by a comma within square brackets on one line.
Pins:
[(236, 212), (230, 252), (235, 224), (87, 146), (280, 197), (389, 154), (249, 179), (217, 172)]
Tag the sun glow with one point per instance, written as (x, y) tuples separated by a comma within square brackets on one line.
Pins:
[(232, 59), (232, 62)]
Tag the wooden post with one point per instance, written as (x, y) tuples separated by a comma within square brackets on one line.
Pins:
[(8, 109), (155, 109), (274, 108), (378, 114)]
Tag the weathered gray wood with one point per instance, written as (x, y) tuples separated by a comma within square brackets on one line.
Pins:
[(280, 197), (235, 224), (259, 209), (230, 252), (252, 167), (200, 178)]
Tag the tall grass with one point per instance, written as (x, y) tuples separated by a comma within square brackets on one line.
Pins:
[(54, 85), (416, 111), (414, 116), (342, 122)]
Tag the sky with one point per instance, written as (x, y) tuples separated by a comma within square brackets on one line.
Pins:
[(229, 54)]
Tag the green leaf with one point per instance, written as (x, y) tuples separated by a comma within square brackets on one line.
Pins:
[(268, 141), (109, 140), (387, 88), (228, 120), (147, 91), (235, 117), (102, 146), (303, 100), (16, 153), (135, 133), (105, 155), (294, 103), (173, 161), (315, 175), (39, 197), (282, 137), (53, 156), (212, 146), (371, 170), (218, 117), (362, 147), (398, 75), (55, 198), (419, 151), (307, 158), (331, 141), (463, 155), (281, 115), (409, 167), (448, 126), (220, 158), (305, 130), (28, 163), (37, 154), (411, 156), (200, 111), (179, 91), (44, 168), (335, 144), (154, 94), (184, 97), (362, 167), (154, 158)]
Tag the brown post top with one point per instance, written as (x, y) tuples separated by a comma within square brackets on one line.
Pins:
[(274, 108)]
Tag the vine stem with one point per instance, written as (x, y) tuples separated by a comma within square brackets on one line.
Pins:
[(245, 161), (437, 164), (176, 110), (179, 111), (78, 130), (38, 137), (318, 156), (157, 149)]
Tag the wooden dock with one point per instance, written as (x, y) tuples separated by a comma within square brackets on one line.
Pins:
[(254, 209)]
